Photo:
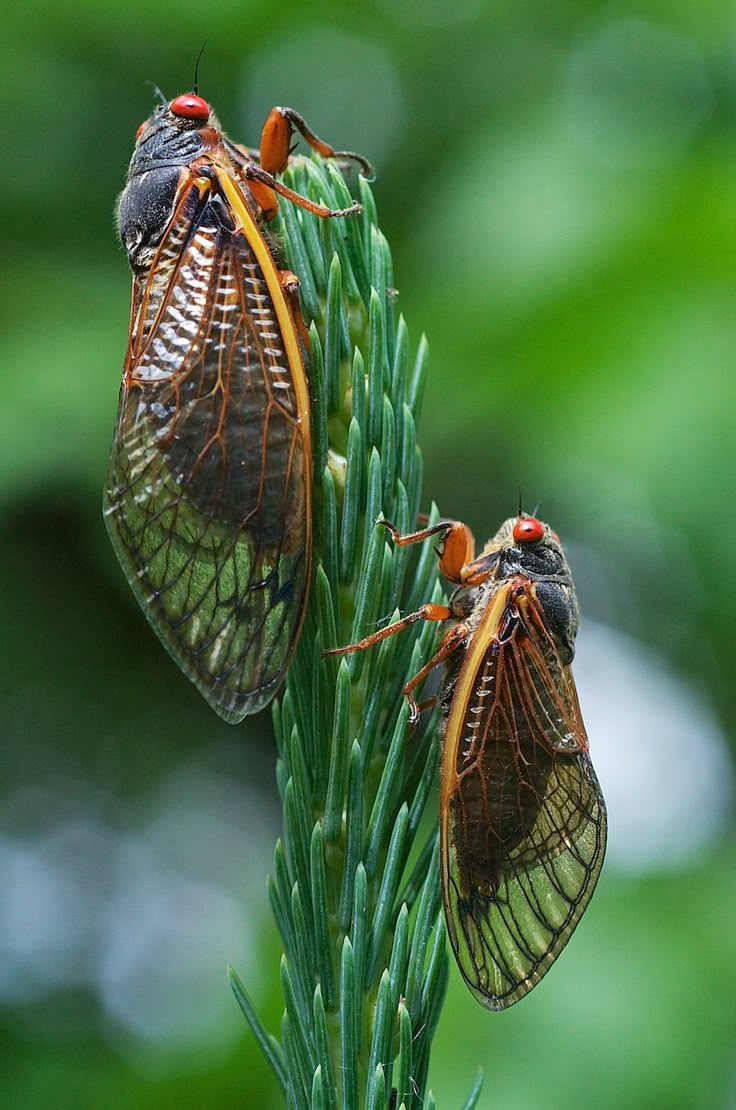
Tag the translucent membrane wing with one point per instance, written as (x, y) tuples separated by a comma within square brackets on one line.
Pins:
[(207, 492), (523, 822)]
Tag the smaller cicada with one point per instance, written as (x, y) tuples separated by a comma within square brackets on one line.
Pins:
[(522, 817), (207, 497)]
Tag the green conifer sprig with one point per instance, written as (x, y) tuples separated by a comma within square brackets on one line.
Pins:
[(355, 885)]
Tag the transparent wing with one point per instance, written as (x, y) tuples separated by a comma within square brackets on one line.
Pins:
[(207, 491), (523, 822)]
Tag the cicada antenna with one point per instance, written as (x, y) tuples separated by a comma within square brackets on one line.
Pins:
[(195, 86), (157, 91)]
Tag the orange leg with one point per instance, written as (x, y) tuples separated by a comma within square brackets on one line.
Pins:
[(262, 185), (290, 285), (429, 612), (458, 565), (477, 570), (449, 643), (456, 552), (258, 168), (415, 537), (276, 142)]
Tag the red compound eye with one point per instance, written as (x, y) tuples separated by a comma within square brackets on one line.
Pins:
[(189, 106), (528, 530), (140, 128)]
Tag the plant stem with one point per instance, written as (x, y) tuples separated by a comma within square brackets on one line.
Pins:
[(355, 889)]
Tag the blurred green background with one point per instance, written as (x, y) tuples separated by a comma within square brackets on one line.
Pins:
[(557, 183)]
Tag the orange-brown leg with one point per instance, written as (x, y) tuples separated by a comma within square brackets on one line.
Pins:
[(477, 570), (414, 537), (275, 144), (457, 547), (450, 642), (258, 168), (261, 183), (290, 285), (429, 612), (263, 194)]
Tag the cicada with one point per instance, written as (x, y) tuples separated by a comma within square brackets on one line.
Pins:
[(522, 817), (207, 497)]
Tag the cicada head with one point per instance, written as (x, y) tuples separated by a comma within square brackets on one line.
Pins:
[(171, 132), (527, 546), (175, 134)]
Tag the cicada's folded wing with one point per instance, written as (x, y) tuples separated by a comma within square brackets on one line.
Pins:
[(207, 492), (523, 822)]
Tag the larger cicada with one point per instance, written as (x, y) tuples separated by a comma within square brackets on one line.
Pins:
[(207, 496), (522, 817)]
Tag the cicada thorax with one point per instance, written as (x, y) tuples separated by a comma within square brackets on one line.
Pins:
[(166, 145), (545, 565)]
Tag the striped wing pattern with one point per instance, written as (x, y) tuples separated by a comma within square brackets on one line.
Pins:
[(207, 491), (523, 819)]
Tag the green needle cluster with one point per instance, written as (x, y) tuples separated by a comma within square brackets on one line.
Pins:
[(355, 884)]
